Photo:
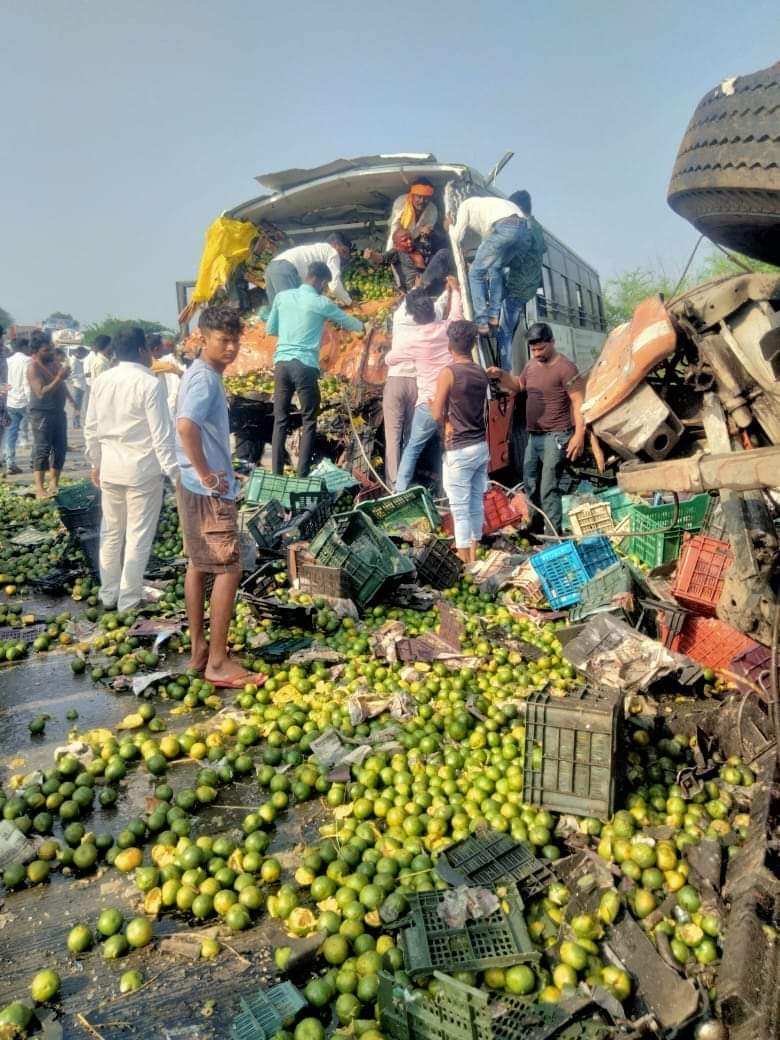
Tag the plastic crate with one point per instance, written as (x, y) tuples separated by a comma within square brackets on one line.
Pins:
[(701, 570), (618, 501), (438, 565), (754, 664), (79, 507), (608, 590), (503, 510), (262, 487), (303, 501), (279, 649), (22, 635), (657, 549), (484, 859), (334, 477), (370, 492), (411, 508), (571, 747), (562, 574), (591, 518), (458, 1011), (495, 941), (266, 522), (264, 1013), (596, 553), (710, 642), (317, 580), (305, 525), (370, 561)]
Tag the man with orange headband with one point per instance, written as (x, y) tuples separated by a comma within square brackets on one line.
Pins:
[(414, 212)]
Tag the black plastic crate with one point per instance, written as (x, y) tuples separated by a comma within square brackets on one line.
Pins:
[(571, 747), (485, 859), (266, 523), (303, 501), (437, 565), (495, 941)]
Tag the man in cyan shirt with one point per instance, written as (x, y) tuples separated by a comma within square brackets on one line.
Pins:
[(206, 496), (298, 317), (128, 436), (553, 413), (288, 269)]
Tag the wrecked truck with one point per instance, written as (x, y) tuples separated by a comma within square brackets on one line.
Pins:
[(686, 395)]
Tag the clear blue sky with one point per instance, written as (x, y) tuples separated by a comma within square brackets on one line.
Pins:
[(128, 126)]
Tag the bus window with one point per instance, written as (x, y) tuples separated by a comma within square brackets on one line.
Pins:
[(580, 305)]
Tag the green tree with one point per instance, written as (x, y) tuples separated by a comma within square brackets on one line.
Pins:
[(110, 325), (5, 318), (60, 316), (622, 294), (719, 265)]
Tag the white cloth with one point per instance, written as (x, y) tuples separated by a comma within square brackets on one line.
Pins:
[(480, 214), (19, 388), (129, 434), (94, 365), (428, 217), (301, 257), (129, 523), (77, 375)]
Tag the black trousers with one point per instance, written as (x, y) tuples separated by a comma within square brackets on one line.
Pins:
[(50, 440), (293, 377)]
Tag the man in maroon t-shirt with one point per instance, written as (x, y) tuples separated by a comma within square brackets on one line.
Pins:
[(553, 412)]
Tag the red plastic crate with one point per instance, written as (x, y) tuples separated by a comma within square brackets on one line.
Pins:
[(701, 569), (712, 643), (370, 492), (503, 510)]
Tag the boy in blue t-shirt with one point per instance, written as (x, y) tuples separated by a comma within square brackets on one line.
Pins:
[(206, 496)]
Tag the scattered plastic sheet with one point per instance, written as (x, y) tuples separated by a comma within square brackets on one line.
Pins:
[(462, 904)]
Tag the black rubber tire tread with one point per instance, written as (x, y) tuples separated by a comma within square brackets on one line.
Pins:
[(726, 179)]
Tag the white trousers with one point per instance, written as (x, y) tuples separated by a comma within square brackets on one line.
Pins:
[(130, 516)]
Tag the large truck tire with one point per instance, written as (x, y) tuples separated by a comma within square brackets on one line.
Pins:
[(726, 179)]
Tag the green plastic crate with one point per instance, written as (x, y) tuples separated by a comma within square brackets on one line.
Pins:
[(496, 941), (571, 748), (654, 550), (618, 501), (371, 563), (334, 477), (266, 1011), (602, 590), (262, 487), (411, 508), (460, 1012), (485, 859)]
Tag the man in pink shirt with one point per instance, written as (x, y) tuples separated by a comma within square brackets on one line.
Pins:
[(422, 340)]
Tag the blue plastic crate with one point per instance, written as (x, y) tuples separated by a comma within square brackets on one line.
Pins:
[(562, 574), (596, 553)]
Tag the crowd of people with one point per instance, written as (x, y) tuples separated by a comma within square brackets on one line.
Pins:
[(146, 419), (434, 399)]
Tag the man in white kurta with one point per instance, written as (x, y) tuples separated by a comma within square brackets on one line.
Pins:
[(129, 439)]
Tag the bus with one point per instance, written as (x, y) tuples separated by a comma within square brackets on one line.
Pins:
[(355, 196)]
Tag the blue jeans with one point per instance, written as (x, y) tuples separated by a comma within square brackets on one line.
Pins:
[(280, 275), (548, 451), (465, 481), (12, 434), (423, 430), (512, 311), (486, 277)]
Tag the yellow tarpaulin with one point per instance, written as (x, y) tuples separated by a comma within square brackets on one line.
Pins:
[(227, 245)]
